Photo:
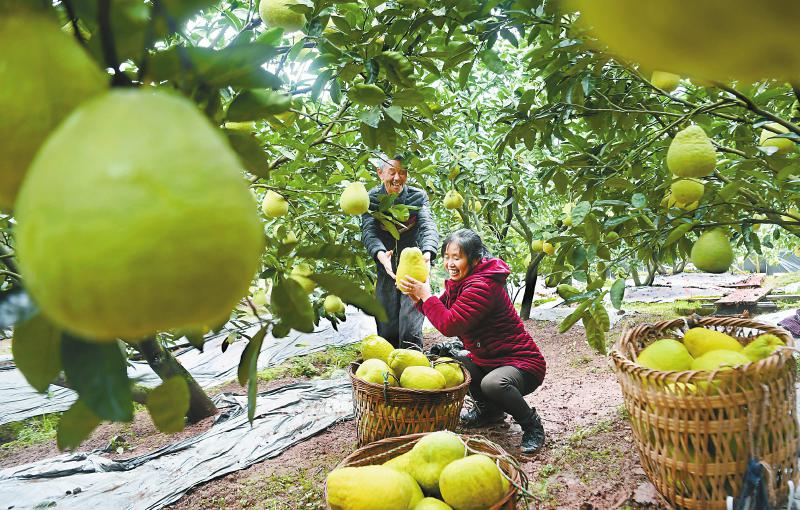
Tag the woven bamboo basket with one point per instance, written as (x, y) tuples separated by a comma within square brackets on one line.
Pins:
[(385, 449), (696, 430), (385, 411)]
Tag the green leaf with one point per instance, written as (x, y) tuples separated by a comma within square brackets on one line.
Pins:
[(729, 190), (600, 315), (617, 293), (251, 155), (334, 252), (572, 318), (678, 233), (253, 349), (395, 113), (595, 336), (97, 372), (237, 66), (36, 347), (250, 360), (464, 74), (168, 404), (408, 97), (257, 104), (351, 293), (591, 229), (387, 137), (290, 302), (75, 425), (579, 212)]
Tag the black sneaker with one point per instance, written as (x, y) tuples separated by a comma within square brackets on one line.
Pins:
[(481, 415), (532, 434)]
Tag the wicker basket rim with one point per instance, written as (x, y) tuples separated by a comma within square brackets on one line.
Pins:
[(625, 364), (351, 371)]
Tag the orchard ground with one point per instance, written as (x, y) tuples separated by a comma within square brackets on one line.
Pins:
[(590, 460)]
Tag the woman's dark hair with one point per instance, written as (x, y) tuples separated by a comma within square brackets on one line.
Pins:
[(469, 243)]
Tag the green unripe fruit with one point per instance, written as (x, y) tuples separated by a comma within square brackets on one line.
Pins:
[(691, 153), (333, 304), (278, 14), (117, 227), (453, 200), (44, 75), (712, 252), (274, 205)]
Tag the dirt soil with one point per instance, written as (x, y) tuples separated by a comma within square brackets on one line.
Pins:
[(589, 461)]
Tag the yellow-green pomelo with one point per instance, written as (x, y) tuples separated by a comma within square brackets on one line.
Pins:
[(537, 245), (761, 347), (300, 273), (719, 358), (44, 75), (371, 488), (400, 359), (375, 371), (451, 370), (333, 304), (274, 205), (691, 153), (712, 252), (548, 248), (432, 504), (411, 264), (354, 199), (686, 191), (377, 347), (666, 354), (422, 378), (471, 483), (278, 14), (665, 81), (432, 454), (126, 206), (769, 138), (701, 340), (453, 200), (714, 39), (400, 463)]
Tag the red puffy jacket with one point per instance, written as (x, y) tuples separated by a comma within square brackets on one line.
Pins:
[(477, 309)]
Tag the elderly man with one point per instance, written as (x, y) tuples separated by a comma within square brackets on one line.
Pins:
[(404, 325)]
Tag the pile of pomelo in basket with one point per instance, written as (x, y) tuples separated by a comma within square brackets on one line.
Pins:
[(438, 473), (706, 349), (406, 368)]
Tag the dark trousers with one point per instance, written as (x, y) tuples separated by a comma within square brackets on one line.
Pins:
[(502, 388), (404, 327)]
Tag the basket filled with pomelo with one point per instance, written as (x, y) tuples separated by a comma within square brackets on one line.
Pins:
[(430, 471), (705, 395), (401, 391)]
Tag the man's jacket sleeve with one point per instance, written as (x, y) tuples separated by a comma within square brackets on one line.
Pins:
[(427, 235)]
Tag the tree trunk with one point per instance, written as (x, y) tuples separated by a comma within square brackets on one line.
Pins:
[(165, 365), (531, 275), (652, 266), (678, 267), (635, 275)]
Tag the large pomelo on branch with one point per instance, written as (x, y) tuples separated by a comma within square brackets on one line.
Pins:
[(691, 153), (715, 39), (686, 191), (712, 252), (44, 75), (453, 200), (134, 218), (279, 14), (354, 199), (274, 205)]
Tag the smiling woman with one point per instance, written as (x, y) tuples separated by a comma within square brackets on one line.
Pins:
[(503, 360)]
